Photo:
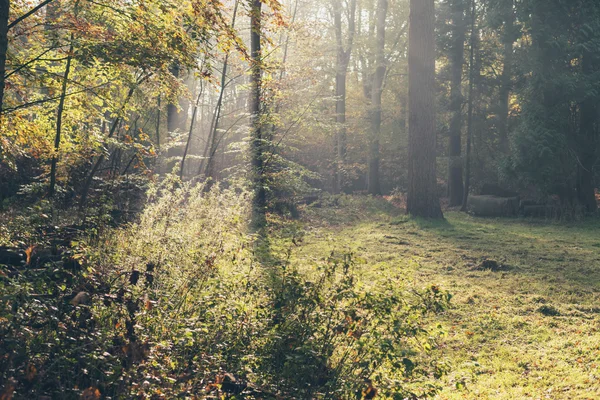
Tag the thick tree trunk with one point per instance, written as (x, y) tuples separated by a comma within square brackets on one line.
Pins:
[(257, 145), (422, 197), (4, 11), (588, 142), (470, 109), (374, 186), (506, 78), (455, 170)]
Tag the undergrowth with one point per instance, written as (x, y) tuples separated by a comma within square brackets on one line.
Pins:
[(181, 304)]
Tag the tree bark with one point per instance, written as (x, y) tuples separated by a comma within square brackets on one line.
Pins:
[(191, 131), (422, 197), (455, 170), (373, 185), (172, 112), (257, 145), (342, 61), (4, 12), (587, 141), (506, 78), (470, 109)]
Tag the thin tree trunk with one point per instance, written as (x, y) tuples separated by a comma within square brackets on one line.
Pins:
[(340, 119), (374, 186), (189, 139), (88, 182), (4, 13), (29, 13), (158, 123), (214, 126), (470, 109), (172, 112), (455, 170), (422, 197), (257, 146), (343, 59), (59, 117)]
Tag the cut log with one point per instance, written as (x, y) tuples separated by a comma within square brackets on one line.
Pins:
[(489, 189), (493, 206)]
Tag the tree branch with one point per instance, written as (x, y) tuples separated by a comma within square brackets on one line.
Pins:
[(29, 13)]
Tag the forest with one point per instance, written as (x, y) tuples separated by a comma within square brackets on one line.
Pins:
[(295, 199)]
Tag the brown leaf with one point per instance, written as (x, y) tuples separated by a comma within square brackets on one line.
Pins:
[(29, 253), (91, 393)]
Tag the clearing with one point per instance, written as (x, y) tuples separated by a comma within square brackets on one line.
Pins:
[(524, 326)]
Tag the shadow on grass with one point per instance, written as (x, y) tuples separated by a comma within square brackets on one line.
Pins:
[(552, 251), (441, 224), (295, 362)]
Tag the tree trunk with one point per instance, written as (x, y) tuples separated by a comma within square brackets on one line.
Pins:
[(90, 178), (340, 119), (470, 110), (172, 112), (191, 131), (343, 59), (374, 186), (4, 11), (455, 170), (506, 78), (59, 115), (422, 197), (257, 145), (588, 142)]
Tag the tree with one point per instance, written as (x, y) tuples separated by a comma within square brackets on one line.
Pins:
[(470, 107), (343, 53), (59, 118), (212, 143), (455, 170), (508, 39), (422, 197), (256, 140), (4, 12), (589, 107), (374, 186)]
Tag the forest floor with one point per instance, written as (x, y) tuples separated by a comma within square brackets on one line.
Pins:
[(525, 324)]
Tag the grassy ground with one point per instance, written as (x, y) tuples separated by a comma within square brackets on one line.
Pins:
[(529, 330)]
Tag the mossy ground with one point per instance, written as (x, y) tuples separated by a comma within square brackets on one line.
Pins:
[(530, 330)]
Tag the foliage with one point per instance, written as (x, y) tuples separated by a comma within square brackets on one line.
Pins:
[(177, 304)]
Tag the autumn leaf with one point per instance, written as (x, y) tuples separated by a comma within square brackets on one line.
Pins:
[(90, 393)]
